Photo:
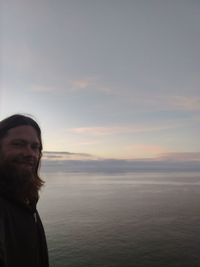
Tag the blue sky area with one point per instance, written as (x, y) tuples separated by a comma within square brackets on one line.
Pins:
[(112, 79)]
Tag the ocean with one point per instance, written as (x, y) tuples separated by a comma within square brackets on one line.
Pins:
[(135, 219)]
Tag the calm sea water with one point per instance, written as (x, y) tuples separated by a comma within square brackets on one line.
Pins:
[(126, 220)]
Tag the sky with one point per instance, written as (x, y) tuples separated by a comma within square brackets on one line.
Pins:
[(107, 78)]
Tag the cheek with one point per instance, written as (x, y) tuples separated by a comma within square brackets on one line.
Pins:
[(38, 156), (10, 155), (5, 158)]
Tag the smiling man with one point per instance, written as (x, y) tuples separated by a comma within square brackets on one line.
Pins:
[(22, 237)]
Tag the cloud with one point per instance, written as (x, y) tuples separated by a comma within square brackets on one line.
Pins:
[(81, 84), (103, 130), (80, 162), (153, 149), (65, 85), (63, 156), (156, 101), (141, 99), (95, 130), (89, 84), (187, 103), (180, 156), (177, 102), (149, 150)]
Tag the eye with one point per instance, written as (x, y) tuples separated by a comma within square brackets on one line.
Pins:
[(18, 144), (35, 147)]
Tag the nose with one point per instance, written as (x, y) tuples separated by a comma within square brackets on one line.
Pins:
[(29, 151)]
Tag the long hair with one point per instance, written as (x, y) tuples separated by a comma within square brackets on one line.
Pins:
[(21, 120)]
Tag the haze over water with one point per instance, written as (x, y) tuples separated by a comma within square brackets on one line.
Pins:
[(131, 219)]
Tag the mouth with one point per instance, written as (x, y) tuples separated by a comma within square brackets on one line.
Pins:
[(27, 163)]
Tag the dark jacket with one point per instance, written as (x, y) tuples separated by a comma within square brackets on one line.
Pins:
[(22, 237)]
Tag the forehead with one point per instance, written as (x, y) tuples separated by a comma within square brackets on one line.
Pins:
[(24, 132)]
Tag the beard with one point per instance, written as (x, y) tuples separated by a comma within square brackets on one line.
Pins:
[(19, 180)]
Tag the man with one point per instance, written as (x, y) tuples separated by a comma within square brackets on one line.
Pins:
[(22, 238)]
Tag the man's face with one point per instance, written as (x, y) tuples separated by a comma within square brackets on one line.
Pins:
[(20, 149)]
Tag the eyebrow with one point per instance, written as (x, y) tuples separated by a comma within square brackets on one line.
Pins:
[(25, 141)]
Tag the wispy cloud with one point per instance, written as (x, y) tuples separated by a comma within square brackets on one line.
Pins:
[(188, 103), (180, 156), (104, 130), (158, 100), (62, 156), (92, 83), (163, 157), (175, 102), (141, 99), (82, 83), (149, 150), (73, 86)]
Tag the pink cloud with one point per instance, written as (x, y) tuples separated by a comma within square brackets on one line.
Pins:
[(103, 130), (137, 151), (92, 83), (81, 84)]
